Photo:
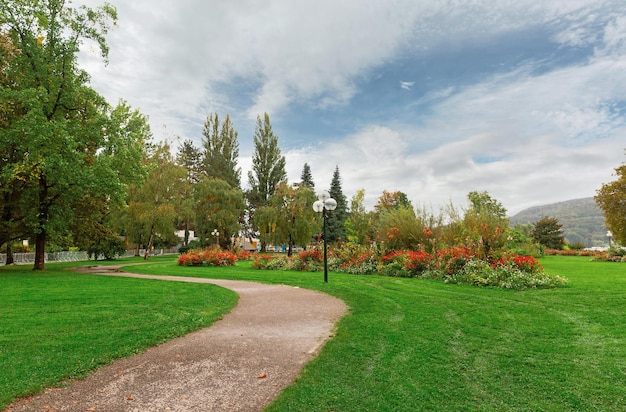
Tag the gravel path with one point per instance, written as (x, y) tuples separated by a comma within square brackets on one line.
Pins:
[(240, 363)]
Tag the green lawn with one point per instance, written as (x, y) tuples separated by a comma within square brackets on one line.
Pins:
[(59, 325), (412, 344)]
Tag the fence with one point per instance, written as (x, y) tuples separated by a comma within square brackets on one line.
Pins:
[(26, 258)]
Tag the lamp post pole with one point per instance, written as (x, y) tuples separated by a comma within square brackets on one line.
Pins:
[(323, 205), (217, 236), (609, 234)]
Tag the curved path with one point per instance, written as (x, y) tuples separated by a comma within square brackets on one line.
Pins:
[(240, 363)]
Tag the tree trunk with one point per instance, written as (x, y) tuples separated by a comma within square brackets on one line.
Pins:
[(149, 245), (10, 259), (40, 238), (40, 250)]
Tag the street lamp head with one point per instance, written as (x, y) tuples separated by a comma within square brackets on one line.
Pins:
[(609, 234), (324, 196), (330, 204), (318, 206)]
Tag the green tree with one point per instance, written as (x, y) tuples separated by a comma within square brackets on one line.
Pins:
[(306, 178), (392, 200), (190, 158), (547, 232), (218, 207), (152, 206), (221, 150), (268, 168), (359, 222), (335, 229), (289, 218), (65, 141), (486, 224), (611, 198)]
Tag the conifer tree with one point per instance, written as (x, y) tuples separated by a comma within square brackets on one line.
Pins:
[(306, 179), (336, 230)]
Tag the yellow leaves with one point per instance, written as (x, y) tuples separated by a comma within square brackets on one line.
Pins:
[(40, 40)]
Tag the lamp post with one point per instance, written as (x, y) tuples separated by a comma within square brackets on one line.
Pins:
[(323, 205), (609, 234), (217, 236)]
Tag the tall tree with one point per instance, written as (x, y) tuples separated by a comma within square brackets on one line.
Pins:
[(547, 232), (66, 144), (306, 178), (221, 150), (392, 200), (190, 158), (268, 168), (611, 198), (335, 229)]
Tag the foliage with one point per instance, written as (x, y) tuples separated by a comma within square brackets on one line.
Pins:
[(306, 178), (107, 247), (400, 228), (288, 218), (359, 223), (221, 150), (392, 200), (486, 225), (59, 139), (547, 232), (335, 229), (207, 257), (218, 206), (268, 169), (611, 198)]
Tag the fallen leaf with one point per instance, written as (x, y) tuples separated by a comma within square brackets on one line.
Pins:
[(262, 375), (130, 397)]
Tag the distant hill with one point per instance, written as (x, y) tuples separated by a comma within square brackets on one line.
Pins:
[(582, 220)]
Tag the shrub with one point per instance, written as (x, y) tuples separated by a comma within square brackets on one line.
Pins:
[(207, 257), (270, 261)]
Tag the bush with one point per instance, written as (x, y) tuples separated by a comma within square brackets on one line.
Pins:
[(207, 257), (108, 247)]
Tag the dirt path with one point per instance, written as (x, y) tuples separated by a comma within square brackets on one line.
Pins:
[(241, 363)]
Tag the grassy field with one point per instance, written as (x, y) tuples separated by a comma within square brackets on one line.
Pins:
[(59, 325), (411, 344)]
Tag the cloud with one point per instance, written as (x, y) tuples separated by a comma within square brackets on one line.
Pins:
[(406, 85)]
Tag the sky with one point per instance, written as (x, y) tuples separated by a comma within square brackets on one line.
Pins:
[(524, 99)]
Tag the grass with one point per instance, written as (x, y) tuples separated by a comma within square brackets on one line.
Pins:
[(413, 344), (59, 325)]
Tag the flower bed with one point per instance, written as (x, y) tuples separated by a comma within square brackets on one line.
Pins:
[(207, 257)]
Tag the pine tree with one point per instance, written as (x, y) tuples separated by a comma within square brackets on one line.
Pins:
[(306, 179), (221, 150), (190, 158), (335, 230)]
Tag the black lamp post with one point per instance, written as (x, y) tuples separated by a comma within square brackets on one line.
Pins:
[(217, 236), (325, 204)]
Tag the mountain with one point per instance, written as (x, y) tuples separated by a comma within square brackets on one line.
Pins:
[(582, 220)]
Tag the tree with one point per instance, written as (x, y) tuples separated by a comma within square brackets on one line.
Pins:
[(289, 218), (392, 200), (221, 150), (152, 205), (547, 232), (486, 224), (611, 198), (59, 128), (218, 207), (306, 178), (268, 168), (335, 229), (190, 158), (359, 222)]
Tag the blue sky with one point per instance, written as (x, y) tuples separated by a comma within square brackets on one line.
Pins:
[(524, 99)]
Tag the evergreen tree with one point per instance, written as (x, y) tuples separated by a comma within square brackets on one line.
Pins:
[(190, 157), (335, 229), (306, 179), (221, 150), (547, 232), (268, 168)]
